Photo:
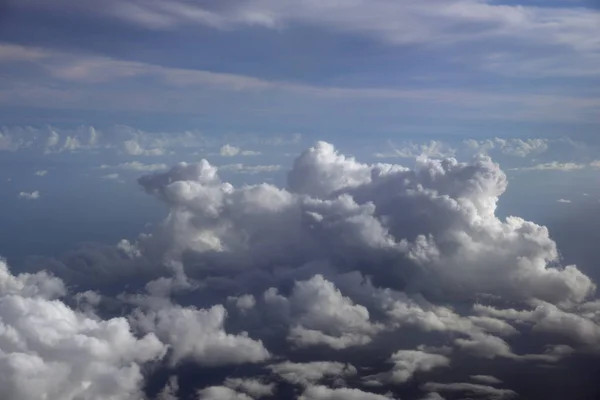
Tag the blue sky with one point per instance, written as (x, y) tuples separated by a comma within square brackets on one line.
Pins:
[(272, 77)]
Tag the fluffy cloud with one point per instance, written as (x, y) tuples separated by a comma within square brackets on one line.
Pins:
[(41, 172), (48, 350), (322, 315), (30, 195), (199, 334), (356, 262), (406, 364), (228, 150)]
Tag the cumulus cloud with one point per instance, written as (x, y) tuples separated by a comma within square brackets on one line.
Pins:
[(243, 303), (41, 172), (406, 364), (228, 150), (49, 350), (199, 334), (352, 278), (322, 315), (30, 195)]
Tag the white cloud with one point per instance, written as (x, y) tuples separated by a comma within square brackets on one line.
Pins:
[(325, 262), (342, 210), (30, 195), (136, 166), (554, 166), (322, 315), (306, 374), (252, 387), (433, 148), (48, 350), (41, 172), (199, 334), (563, 201), (513, 147), (221, 393), (228, 150), (407, 363), (243, 303), (549, 318), (571, 27)]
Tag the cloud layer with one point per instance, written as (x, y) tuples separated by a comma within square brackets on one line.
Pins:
[(354, 281)]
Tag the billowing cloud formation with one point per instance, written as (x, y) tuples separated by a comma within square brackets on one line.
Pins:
[(200, 335), (353, 280), (50, 351), (321, 315)]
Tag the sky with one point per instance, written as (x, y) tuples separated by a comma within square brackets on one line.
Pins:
[(314, 200)]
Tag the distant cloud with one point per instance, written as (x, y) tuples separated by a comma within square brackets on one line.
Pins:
[(512, 147), (114, 176), (563, 201), (554, 166), (30, 195), (435, 149), (135, 166), (471, 389), (42, 172), (249, 169), (487, 379), (230, 151)]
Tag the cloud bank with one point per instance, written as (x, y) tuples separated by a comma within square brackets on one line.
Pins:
[(366, 281)]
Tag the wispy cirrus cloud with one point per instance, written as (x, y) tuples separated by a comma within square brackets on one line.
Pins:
[(178, 92)]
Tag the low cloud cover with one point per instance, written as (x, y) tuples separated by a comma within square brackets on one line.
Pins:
[(351, 281)]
